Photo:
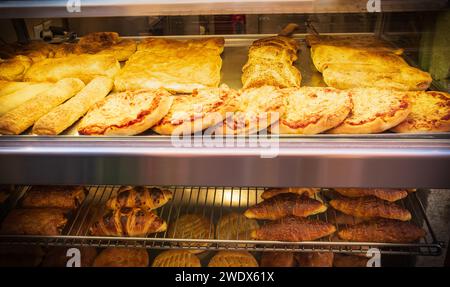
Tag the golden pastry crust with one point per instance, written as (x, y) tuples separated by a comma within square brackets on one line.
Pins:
[(198, 111), (122, 257), (235, 226), (192, 226), (85, 67), (34, 221), (258, 109), (176, 258), (311, 110), (178, 66), (126, 113), (430, 113), (233, 259), (374, 111), (310, 192), (67, 197), (15, 68)]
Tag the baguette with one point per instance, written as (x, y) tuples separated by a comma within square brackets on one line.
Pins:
[(66, 114), (19, 119), (15, 99)]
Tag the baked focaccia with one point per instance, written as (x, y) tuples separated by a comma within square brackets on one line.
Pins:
[(198, 111), (126, 113), (374, 111), (310, 110), (430, 113), (178, 66)]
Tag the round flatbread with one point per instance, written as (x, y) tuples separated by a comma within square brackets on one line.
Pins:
[(127, 113), (176, 258), (258, 109), (198, 111), (430, 113), (122, 257), (310, 110), (374, 111), (233, 259), (192, 226)]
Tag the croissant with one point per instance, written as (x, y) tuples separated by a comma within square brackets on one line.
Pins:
[(297, 190), (284, 205), (293, 229), (382, 230), (134, 222), (381, 193), (370, 207), (139, 196)]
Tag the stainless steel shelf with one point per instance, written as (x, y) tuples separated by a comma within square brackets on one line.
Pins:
[(213, 203), (97, 8)]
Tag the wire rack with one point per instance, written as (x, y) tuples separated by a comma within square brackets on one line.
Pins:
[(213, 203)]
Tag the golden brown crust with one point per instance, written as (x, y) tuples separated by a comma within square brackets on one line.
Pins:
[(382, 230), (315, 259), (310, 192), (198, 111), (67, 197), (139, 196), (389, 194), (293, 229), (176, 258), (370, 207), (233, 259), (374, 111), (134, 222), (122, 257), (430, 113), (310, 110), (284, 205), (126, 113), (192, 226), (35, 221), (277, 259)]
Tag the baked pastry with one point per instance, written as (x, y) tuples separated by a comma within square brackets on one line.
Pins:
[(277, 259), (126, 113), (284, 205), (382, 230), (430, 113), (176, 258), (63, 116), (134, 222), (8, 87), (122, 257), (12, 100), (310, 110), (57, 256), (34, 221), (66, 197), (15, 68), (139, 196), (341, 260), (315, 259), (176, 65), (370, 207), (191, 226), (233, 259), (374, 111), (258, 109), (310, 192), (388, 194), (293, 229), (270, 62), (235, 226), (200, 110), (24, 116), (85, 67), (20, 255)]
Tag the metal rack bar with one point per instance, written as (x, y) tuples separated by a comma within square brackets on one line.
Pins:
[(212, 208)]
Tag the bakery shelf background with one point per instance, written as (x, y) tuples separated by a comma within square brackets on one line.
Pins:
[(213, 203)]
